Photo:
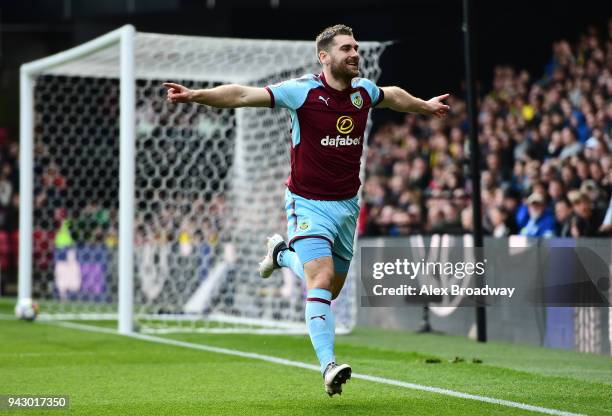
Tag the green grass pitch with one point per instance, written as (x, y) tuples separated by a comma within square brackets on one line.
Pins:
[(107, 374)]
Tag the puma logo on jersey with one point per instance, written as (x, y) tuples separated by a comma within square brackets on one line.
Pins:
[(325, 100), (321, 317)]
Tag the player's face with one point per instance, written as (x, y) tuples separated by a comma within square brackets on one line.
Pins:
[(344, 54)]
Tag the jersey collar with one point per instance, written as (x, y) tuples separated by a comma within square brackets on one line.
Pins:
[(332, 89)]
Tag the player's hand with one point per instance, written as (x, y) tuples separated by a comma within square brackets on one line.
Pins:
[(436, 107), (178, 93)]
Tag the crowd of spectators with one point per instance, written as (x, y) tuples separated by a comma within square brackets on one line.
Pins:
[(546, 168), (9, 205), (546, 148)]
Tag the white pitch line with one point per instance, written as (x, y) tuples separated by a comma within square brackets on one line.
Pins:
[(291, 363)]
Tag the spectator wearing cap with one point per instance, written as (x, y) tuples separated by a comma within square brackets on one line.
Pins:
[(584, 223), (541, 223)]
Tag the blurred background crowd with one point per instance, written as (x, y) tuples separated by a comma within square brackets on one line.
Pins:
[(546, 146), (9, 202), (546, 143)]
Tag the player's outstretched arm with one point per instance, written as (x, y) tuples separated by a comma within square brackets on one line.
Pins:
[(398, 99), (223, 96)]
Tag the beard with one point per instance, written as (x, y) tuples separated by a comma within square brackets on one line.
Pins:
[(341, 70)]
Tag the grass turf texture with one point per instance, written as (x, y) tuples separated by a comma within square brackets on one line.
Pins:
[(107, 374)]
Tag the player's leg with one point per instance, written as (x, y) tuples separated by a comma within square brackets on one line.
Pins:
[(304, 220), (318, 268), (338, 219), (337, 283), (345, 219), (341, 267), (319, 272), (289, 258), (335, 375), (279, 255), (311, 228)]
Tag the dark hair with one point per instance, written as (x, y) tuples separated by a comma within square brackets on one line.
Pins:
[(326, 37), (565, 201), (502, 210)]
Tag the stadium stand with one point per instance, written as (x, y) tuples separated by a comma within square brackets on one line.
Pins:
[(546, 146), (547, 161)]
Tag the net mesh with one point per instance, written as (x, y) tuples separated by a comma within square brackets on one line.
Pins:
[(209, 187)]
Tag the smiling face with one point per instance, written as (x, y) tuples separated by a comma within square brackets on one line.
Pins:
[(342, 57), (338, 52)]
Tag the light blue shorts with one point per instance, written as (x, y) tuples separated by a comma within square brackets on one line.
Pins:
[(333, 221)]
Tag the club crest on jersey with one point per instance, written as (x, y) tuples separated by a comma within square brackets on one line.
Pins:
[(304, 225), (357, 99)]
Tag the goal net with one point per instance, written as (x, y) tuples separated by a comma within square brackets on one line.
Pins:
[(207, 185)]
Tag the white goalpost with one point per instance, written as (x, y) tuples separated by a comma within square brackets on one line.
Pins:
[(152, 213)]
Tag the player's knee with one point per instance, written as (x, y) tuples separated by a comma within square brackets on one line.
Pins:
[(322, 279)]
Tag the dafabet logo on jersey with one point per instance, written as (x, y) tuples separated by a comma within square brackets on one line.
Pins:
[(344, 125)]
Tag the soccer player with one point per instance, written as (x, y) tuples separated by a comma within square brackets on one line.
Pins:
[(329, 112)]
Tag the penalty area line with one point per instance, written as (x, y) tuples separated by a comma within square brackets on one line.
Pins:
[(299, 364)]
